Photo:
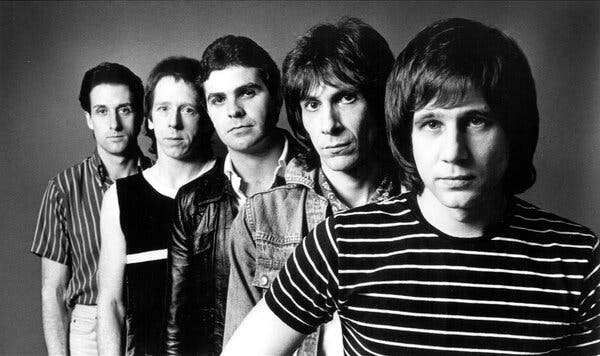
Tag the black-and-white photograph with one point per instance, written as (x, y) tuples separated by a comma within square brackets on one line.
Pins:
[(300, 177)]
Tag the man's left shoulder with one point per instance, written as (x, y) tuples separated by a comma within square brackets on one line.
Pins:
[(528, 217)]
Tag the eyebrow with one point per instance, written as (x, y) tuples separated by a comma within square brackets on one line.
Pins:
[(247, 86)]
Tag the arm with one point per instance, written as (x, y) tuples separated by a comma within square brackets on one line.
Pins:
[(111, 268), (263, 333), (242, 296), (55, 315), (301, 298), (586, 335), (177, 283), (51, 243)]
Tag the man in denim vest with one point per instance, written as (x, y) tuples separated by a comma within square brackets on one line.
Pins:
[(242, 96), (333, 85)]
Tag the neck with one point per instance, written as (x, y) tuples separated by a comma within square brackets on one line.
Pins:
[(462, 222), (119, 166), (355, 187), (168, 174), (256, 169)]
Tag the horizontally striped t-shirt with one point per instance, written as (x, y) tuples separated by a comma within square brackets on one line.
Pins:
[(527, 287), (68, 224)]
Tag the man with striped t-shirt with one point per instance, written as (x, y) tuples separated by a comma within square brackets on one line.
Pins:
[(67, 236), (459, 265)]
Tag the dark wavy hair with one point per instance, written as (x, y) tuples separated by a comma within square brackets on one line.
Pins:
[(180, 68), (230, 50), (112, 73), (441, 64), (349, 53)]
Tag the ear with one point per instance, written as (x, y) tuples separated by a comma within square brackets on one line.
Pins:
[(150, 123), (88, 119)]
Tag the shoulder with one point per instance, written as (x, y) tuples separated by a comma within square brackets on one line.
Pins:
[(390, 209), (207, 188), (530, 218), (67, 180)]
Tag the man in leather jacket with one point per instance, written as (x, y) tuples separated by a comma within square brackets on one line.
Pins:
[(333, 84), (241, 90)]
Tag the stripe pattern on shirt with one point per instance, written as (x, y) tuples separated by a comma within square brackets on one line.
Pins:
[(68, 225), (530, 287)]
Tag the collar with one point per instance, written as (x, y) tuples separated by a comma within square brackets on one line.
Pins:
[(315, 179), (236, 180), (101, 172)]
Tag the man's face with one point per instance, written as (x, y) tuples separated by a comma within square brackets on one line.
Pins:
[(240, 108), (175, 118), (461, 152), (112, 118), (340, 127)]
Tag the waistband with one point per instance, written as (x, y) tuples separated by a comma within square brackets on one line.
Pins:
[(83, 311)]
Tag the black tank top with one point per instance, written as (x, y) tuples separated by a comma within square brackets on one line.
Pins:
[(145, 217)]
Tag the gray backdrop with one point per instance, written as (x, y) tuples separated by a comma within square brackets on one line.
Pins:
[(46, 47)]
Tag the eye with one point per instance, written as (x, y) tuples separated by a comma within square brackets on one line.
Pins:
[(431, 125), (248, 93), (478, 121), (125, 110), (188, 110), (101, 111), (161, 109), (311, 105), (348, 98), (217, 100)]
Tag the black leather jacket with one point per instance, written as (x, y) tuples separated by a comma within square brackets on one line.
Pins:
[(198, 264)]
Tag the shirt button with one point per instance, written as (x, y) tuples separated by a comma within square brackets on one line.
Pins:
[(264, 280)]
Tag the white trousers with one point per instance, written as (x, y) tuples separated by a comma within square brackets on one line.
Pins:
[(82, 332)]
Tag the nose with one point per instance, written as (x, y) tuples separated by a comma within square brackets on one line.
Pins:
[(330, 123), (235, 110), (115, 121), (455, 145), (174, 119)]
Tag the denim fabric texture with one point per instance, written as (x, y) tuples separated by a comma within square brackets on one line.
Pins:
[(265, 233)]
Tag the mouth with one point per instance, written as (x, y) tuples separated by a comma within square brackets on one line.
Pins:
[(335, 148), (238, 127), (457, 181)]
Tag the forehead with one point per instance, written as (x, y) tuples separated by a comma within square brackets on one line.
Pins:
[(323, 90), (107, 93), (467, 100), (231, 78), (169, 86)]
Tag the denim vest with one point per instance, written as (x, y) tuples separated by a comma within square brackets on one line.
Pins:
[(276, 221)]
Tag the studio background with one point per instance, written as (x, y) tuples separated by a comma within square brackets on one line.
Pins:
[(45, 48)]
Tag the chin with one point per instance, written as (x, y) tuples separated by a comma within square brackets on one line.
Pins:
[(457, 200)]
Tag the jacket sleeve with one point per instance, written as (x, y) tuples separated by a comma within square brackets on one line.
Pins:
[(178, 282), (242, 295)]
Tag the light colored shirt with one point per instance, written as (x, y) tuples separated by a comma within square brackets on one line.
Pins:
[(236, 180)]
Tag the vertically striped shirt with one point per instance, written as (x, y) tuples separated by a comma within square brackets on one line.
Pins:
[(68, 224), (529, 286)]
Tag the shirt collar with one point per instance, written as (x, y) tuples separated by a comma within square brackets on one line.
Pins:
[(236, 180), (101, 172), (383, 192)]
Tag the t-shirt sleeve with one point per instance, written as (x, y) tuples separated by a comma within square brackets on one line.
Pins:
[(51, 238), (304, 294), (586, 339)]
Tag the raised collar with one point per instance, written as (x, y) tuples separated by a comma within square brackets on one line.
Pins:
[(296, 173), (101, 172), (236, 180)]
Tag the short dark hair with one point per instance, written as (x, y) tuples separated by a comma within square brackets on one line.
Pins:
[(441, 64), (180, 68), (112, 73), (230, 50), (349, 52)]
